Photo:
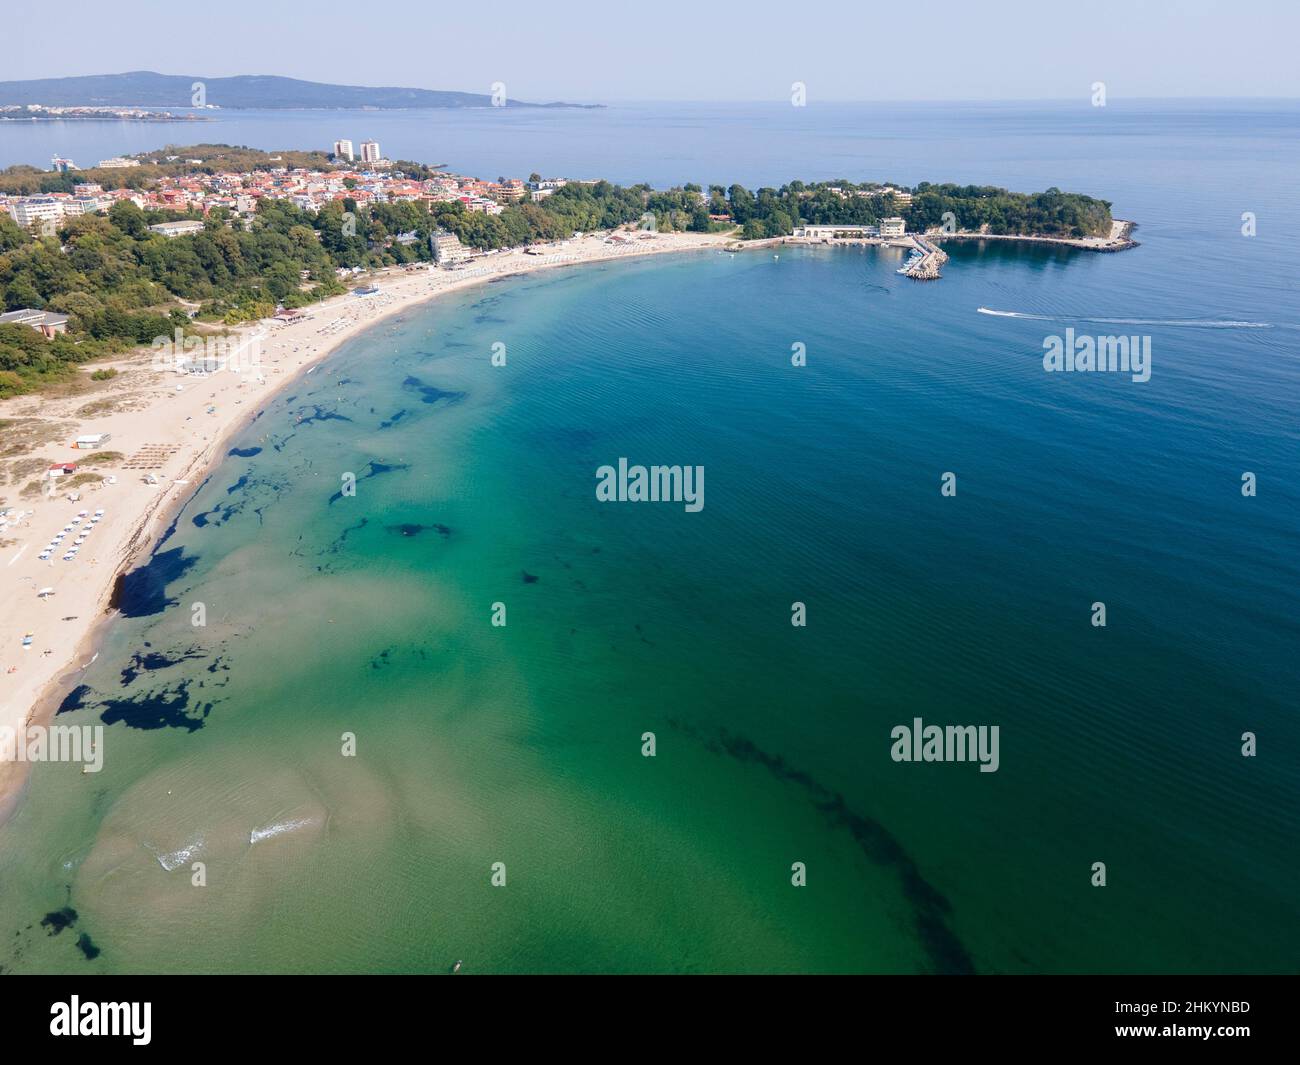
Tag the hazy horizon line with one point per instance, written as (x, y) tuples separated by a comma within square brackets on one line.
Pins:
[(781, 98)]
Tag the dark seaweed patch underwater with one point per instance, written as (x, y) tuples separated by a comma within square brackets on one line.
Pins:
[(148, 710), (143, 591)]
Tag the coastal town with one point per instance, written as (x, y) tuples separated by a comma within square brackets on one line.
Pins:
[(362, 176), (89, 113)]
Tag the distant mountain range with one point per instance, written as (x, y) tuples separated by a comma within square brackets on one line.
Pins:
[(144, 88)]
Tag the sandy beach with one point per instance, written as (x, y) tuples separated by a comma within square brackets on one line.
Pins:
[(169, 429)]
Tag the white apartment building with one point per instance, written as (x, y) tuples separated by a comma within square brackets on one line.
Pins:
[(343, 150), (119, 163), (178, 229), (892, 227), (28, 209), (448, 250), (86, 205), (370, 152)]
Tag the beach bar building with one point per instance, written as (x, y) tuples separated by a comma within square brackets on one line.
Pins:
[(47, 323), (835, 232), (199, 365), (91, 441)]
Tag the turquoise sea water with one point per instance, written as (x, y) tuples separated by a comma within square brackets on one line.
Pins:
[(371, 615)]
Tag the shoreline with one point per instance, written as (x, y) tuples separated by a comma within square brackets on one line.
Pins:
[(150, 413), (148, 403), (928, 257), (1120, 238)]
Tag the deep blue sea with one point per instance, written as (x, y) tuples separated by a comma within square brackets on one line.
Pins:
[(1120, 745)]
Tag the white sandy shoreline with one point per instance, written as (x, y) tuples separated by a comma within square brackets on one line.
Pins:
[(149, 412)]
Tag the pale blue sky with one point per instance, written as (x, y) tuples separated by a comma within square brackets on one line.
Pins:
[(584, 50)]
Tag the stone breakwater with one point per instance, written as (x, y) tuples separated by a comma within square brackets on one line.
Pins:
[(925, 265)]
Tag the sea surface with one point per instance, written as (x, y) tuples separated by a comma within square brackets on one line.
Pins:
[(364, 621)]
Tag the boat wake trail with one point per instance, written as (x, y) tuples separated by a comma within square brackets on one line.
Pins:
[(1190, 323)]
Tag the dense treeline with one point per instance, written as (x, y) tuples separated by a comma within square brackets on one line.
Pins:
[(578, 208), (27, 359), (775, 212), (1051, 213), (121, 284)]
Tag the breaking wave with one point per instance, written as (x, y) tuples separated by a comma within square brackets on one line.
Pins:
[(278, 829), (171, 860)]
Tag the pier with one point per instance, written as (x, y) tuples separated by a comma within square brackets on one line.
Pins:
[(926, 261), (924, 265)]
